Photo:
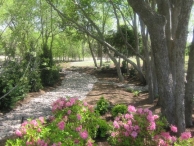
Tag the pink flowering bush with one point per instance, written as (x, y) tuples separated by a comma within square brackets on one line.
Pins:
[(136, 127), (73, 123)]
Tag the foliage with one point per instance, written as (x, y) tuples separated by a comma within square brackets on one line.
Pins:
[(124, 66), (135, 92), (132, 72), (49, 72), (120, 108), (33, 71), (102, 106), (14, 82), (136, 127), (73, 123), (50, 76), (103, 129)]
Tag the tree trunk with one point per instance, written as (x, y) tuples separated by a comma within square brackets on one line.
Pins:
[(180, 45), (148, 64), (92, 53), (156, 28), (189, 86), (117, 65)]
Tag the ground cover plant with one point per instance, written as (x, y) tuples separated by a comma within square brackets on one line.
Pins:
[(75, 123)]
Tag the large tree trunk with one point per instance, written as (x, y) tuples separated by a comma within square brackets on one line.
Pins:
[(169, 58), (189, 92), (156, 27)]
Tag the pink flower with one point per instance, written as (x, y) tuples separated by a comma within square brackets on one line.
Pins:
[(84, 135), (126, 134), (61, 125), (89, 143), (128, 116), (152, 126), (68, 104), (166, 135), (113, 134), (131, 108), (156, 117), (18, 133), (150, 118), (173, 128), (126, 126), (134, 134), (41, 119), (173, 138), (29, 143), (79, 128), (38, 130), (162, 143), (185, 135), (69, 112), (129, 122), (116, 124), (24, 123), (140, 111), (34, 123), (78, 116), (85, 104), (73, 100), (23, 130)]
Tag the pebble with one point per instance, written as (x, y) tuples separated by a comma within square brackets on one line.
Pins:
[(74, 84)]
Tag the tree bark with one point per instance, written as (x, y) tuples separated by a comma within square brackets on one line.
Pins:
[(180, 45), (156, 27), (92, 53), (117, 65), (189, 86), (148, 64)]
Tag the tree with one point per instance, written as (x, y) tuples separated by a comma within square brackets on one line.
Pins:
[(167, 25), (92, 18)]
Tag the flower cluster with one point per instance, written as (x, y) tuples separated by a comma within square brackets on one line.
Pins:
[(63, 103), (73, 123), (134, 126), (165, 138)]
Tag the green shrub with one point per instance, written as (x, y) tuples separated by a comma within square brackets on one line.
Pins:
[(33, 73), (14, 83), (120, 108), (73, 123), (102, 106), (103, 129), (50, 76)]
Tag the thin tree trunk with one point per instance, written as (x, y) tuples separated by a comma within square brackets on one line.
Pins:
[(117, 65), (92, 53), (189, 86)]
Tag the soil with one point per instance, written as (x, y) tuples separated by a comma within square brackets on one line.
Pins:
[(114, 94)]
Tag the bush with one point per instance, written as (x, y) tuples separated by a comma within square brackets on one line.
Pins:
[(14, 83), (102, 106), (33, 73), (73, 123), (136, 127), (103, 129), (120, 108), (50, 76)]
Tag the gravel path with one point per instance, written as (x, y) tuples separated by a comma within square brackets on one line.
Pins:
[(74, 84)]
